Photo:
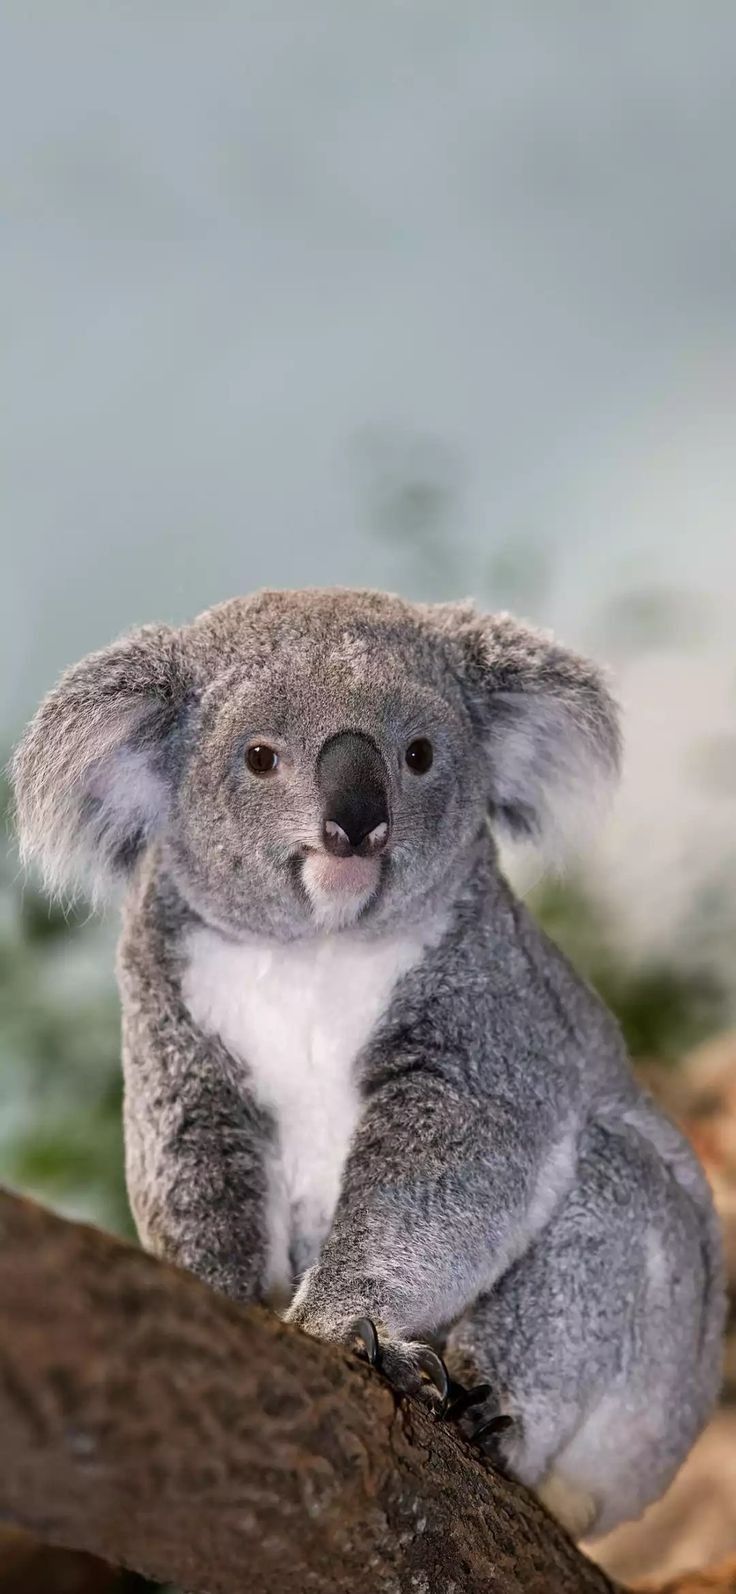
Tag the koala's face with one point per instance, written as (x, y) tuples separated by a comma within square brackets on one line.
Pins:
[(307, 761), (327, 779)]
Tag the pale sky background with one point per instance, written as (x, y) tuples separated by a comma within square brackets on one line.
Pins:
[(438, 297)]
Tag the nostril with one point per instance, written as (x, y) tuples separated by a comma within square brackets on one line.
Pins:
[(376, 839), (365, 838), (336, 839)]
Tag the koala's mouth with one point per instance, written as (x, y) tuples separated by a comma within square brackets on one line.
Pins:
[(341, 876), (339, 889)]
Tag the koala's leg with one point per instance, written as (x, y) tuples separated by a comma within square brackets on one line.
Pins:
[(435, 1195), (196, 1143), (601, 1342), (196, 1178)]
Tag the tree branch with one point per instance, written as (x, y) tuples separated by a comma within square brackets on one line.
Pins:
[(147, 1420)]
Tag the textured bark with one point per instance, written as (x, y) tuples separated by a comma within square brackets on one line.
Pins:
[(27, 1567), (145, 1419)]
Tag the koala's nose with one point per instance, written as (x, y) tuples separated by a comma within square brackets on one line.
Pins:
[(353, 783)]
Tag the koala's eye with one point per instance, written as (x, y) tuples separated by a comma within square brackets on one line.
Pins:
[(261, 760), (419, 755)]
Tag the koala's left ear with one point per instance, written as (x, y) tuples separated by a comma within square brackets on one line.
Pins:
[(549, 722)]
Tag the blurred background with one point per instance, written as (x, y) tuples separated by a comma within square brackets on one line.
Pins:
[(438, 297)]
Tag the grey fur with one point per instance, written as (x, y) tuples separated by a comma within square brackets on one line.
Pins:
[(508, 1187)]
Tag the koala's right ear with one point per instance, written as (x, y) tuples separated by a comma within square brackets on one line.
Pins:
[(547, 720), (92, 775)]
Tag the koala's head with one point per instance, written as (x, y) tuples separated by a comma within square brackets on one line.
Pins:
[(305, 760)]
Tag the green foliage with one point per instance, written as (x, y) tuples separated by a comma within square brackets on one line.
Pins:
[(663, 1009), (60, 1083)]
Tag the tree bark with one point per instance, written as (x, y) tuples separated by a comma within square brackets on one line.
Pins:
[(27, 1567), (150, 1421)]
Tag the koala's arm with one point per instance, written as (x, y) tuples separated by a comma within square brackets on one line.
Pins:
[(443, 1188), (195, 1141)]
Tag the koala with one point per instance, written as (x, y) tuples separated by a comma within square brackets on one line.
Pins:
[(360, 1082)]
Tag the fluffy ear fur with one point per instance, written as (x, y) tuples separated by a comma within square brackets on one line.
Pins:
[(92, 774), (550, 724)]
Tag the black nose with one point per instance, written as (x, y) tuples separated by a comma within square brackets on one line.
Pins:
[(354, 786)]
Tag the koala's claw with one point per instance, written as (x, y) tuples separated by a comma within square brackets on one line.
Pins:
[(486, 1436), (364, 1329), (432, 1364), (459, 1399), (454, 1398), (387, 1360)]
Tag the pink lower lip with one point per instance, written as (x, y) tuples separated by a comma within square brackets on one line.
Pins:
[(348, 875)]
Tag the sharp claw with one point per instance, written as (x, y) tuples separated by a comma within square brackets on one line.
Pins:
[(434, 1367), (453, 1397), (364, 1329), (492, 1428), (461, 1399)]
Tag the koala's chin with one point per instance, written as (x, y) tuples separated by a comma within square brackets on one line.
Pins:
[(339, 889)]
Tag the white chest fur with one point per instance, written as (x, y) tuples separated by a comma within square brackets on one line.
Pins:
[(296, 1017)]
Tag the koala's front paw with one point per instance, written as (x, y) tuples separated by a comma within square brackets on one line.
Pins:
[(410, 1366), (417, 1370)]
